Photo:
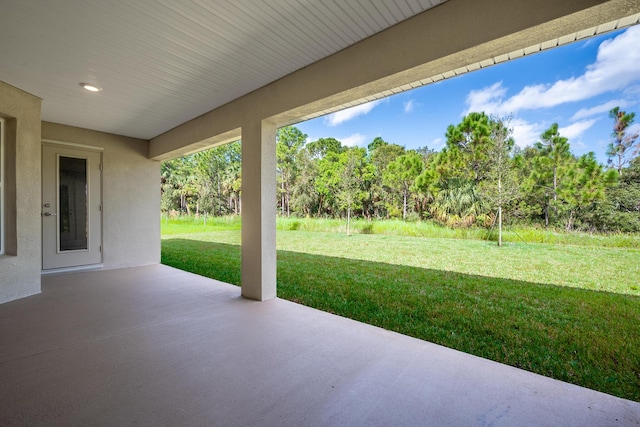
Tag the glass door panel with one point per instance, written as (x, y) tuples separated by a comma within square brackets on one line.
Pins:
[(72, 214)]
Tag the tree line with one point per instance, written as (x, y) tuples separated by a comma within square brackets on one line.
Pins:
[(480, 177)]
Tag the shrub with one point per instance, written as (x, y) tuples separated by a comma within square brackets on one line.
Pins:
[(295, 225), (367, 228)]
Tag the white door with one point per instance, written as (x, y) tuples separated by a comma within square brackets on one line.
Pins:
[(71, 207)]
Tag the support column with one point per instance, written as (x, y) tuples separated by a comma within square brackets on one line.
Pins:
[(258, 278)]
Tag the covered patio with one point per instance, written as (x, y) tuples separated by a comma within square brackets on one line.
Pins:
[(158, 346), (121, 86), (136, 342)]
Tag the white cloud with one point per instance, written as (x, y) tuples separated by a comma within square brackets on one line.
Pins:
[(525, 133), (600, 109), (487, 99), (437, 144), (575, 130), (588, 42), (617, 65), (357, 139), (410, 105), (579, 147), (350, 113), (633, 91), (633, 129)]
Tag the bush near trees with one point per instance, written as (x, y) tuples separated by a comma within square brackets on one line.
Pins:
[(480, 178)]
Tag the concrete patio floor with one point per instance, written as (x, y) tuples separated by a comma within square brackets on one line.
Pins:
[(158, 346)]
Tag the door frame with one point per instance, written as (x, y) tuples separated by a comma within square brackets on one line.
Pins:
[(96, 193)]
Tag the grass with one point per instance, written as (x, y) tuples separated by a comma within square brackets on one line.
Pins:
[(430, 229), (187, 224), (427, 229), (568, 312)]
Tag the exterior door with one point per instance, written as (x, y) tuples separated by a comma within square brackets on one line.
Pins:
[(71, 207)]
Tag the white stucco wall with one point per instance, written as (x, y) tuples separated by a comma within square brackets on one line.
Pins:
[(20, 267), (131, 195)]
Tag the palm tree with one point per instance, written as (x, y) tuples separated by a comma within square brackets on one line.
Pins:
[(458, 203)]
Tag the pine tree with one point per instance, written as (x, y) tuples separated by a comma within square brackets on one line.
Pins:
[(290, 141), (500, 186), (554, 154), (619, 150)]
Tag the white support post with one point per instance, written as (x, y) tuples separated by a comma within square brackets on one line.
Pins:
[(259, 210)]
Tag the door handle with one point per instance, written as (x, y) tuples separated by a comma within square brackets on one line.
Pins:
[(49, 214)]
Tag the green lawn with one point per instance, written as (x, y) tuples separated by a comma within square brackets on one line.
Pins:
[(568, 312)]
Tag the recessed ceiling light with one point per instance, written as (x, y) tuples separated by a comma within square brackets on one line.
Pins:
[(90, 87)]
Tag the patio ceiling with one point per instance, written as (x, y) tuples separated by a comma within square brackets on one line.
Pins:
[(161, 63)]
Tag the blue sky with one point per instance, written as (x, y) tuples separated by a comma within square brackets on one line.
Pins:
[(574, 85)]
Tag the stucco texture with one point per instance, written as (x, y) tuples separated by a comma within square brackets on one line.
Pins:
[(131, 195), (20, 267)]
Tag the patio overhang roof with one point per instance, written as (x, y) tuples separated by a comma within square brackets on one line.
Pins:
[(184, 75)]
